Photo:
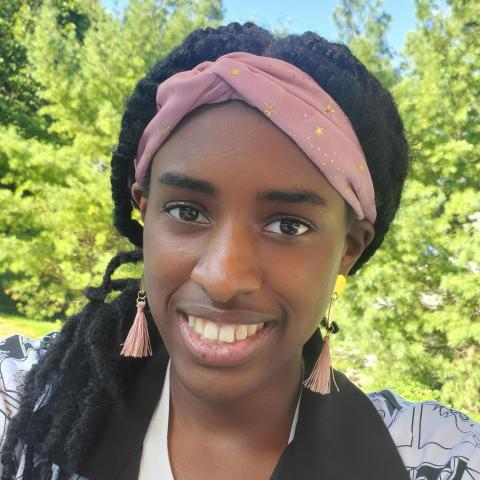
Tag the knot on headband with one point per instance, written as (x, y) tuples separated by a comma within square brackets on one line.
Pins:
[(289, 97)]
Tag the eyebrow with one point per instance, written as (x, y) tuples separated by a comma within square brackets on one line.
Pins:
[(184, 181), (181, 180), (292, 196)]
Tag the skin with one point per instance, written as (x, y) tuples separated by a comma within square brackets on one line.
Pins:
[(232, 254)]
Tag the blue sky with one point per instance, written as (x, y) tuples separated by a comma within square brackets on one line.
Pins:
[(303, 15), (315, 15)]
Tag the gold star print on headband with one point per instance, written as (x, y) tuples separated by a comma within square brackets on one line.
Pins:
[(308, 79), (235, 71), (319, 130), (166, 127), (329, 108), (269, 110), (362, 167)]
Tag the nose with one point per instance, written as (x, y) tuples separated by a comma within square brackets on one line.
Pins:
[(229, 264)]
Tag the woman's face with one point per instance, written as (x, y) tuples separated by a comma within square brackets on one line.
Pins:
[(232, 236)]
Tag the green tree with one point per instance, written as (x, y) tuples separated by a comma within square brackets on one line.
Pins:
[(55, 222), (363, 27), (412, 313), (19, 102)]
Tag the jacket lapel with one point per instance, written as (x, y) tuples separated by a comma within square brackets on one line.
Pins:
[(338, 436)]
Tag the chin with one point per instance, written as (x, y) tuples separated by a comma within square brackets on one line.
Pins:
[(214, 384)]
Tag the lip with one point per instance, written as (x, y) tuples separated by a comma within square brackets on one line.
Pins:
[(222, 354)]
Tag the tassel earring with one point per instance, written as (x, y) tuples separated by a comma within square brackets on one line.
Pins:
[(319, 379), (137, 343)]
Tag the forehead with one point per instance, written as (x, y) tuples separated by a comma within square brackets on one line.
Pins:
[(232, 144)]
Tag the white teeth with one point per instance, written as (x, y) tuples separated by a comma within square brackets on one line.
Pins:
[(199, 325), (222, 332), (251, 329), (210, 332), (241, 332), (227, 333)]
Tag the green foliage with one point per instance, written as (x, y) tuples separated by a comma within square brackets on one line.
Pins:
[(19, 99), (55, 222), (363, 27), (55, 236), (18, 102), (411, 316)]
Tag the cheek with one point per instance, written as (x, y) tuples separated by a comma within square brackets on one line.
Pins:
[(304, 278), (167, 266)]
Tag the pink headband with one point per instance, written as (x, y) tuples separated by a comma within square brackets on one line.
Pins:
[(289, 98)]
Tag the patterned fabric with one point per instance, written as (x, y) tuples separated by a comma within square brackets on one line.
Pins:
[(434, 441)]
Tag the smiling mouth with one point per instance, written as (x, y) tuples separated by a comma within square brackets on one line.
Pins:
[(223, 333), (223, 344)]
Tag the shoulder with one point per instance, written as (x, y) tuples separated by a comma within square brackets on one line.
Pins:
[(18, 354), (434, 441)]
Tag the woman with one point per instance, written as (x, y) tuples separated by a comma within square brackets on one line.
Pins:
[(265, 174)]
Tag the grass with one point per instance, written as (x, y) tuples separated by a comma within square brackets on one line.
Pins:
[(12, 324)]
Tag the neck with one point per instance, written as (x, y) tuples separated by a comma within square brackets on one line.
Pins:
[(264, 414)]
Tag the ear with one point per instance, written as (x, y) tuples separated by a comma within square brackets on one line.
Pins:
[(359, 235), (140, 199)]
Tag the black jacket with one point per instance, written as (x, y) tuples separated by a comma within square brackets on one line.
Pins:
[(339, 436)]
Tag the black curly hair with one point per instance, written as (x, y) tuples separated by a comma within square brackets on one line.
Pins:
[(83, 364)]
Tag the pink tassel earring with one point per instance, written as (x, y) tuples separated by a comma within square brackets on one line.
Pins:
[(319, 379), (137, 343)]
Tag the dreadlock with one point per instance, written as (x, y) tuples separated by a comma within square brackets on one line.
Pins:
[(82, 364)]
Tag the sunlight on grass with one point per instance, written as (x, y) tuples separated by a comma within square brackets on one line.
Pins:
[(11, 324)]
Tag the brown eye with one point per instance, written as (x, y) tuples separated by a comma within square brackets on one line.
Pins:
[(184, 213), (291, 227)]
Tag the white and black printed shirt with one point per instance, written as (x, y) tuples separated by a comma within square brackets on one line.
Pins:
[(435, 442)]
